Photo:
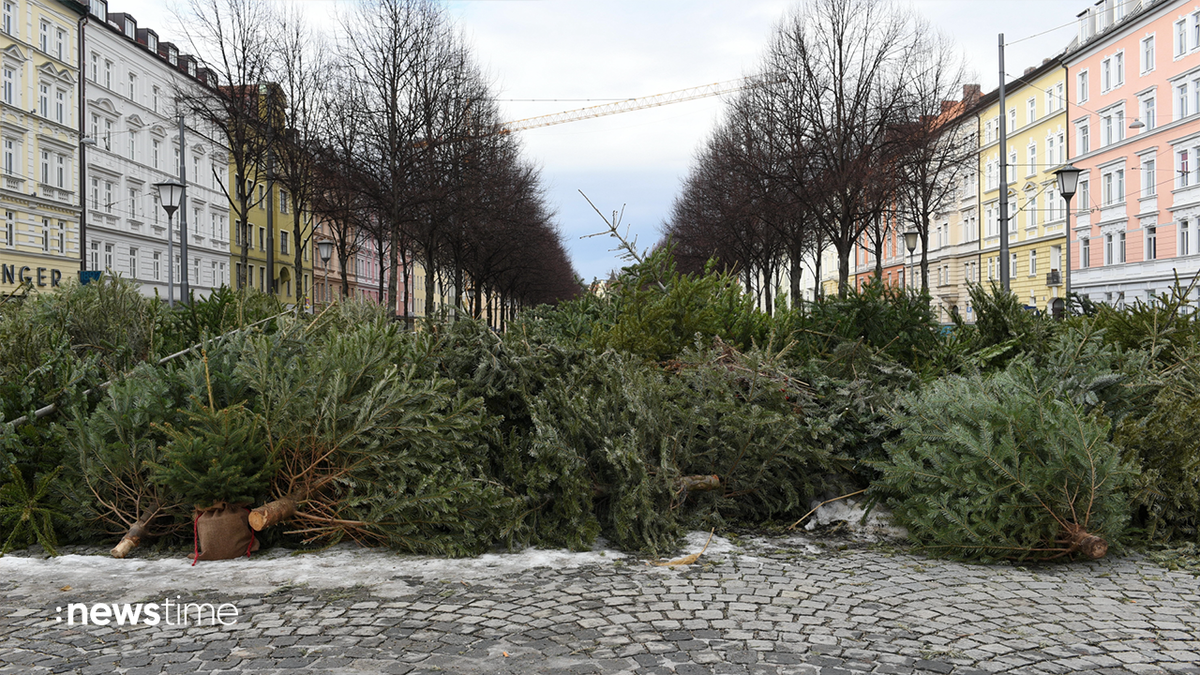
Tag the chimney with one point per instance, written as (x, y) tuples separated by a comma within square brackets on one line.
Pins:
[(971, 93)]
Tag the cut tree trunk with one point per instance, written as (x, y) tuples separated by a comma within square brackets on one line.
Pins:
[(1088, 544), (132, 538), (700, 483), (272, 513)]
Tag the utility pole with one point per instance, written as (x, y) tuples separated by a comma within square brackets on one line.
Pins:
[(1004, 215), (183, 241)]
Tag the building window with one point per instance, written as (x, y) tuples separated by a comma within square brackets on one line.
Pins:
[(1085, 204), (283, 201), (1032, 149), (60, 171), (1081, 87), (155, 146), (1148, 113), (44, 100), (1085, 143), (108, 257), (132, 203), (60, 106), (46, 234), (262, 238), (108, 84), (1121, 247), (1012, 265), (1181, 101), (1119, 68), (1108, 249), (133, 263), (60, 44), (1106, 79), (10, 85), (155, 97), (283, 242), (1148, 54), (10, 156), (132, 87), (45, 177), (1033, 263), (62, 237), (1149, 179), (1031, 110), (1151, 243), (95, 264), (108, 196), (1114, 187), (108, 135), (10, 21), (1185, 236), (44, 38), (157, 260), (1183, 169), (1181, 37)]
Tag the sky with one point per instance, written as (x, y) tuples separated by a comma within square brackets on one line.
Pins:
[(571, 54)]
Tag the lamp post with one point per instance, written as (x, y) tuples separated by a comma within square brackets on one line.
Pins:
[(1068, 182), (910, 241), (325, 250), (169, 194)]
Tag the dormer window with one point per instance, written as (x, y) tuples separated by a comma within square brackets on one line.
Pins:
[(152, 42), (130, 28), (191, 67), (99, 8), (173, 56)]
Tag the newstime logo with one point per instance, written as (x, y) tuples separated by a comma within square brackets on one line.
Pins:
[(168, 612)]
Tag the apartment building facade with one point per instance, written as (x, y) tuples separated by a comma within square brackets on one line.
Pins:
[(39, 133), (132, 82), (1035, 147), (1135, 114)]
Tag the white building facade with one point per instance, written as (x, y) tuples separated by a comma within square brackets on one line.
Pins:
[(131, 127)]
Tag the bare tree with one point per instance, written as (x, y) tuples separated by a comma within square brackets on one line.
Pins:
[(832, 92), (302, 68), (937, 150), (233, 40)]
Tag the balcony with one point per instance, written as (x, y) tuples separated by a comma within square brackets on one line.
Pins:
[(1053, 278)]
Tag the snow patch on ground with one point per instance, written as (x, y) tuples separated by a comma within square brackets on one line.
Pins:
[(877, 526), (382, 571)]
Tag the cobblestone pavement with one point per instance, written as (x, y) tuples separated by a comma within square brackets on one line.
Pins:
[(769, 606)]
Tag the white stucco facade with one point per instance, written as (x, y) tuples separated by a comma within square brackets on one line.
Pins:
[(131, 81)]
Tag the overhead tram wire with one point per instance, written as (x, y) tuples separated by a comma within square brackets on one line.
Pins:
[(618, 106)]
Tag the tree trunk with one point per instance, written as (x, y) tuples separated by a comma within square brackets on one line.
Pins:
[(1090, 545), (272, 513), (134, 536)]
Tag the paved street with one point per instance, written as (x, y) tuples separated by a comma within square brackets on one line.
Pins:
[(760, 606)]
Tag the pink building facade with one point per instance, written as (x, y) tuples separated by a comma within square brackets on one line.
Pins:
[(362, 269), (1134, 83)]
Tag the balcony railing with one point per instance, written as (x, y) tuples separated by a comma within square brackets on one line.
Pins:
[(1053, 278)]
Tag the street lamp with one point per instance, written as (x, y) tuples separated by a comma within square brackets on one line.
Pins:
[(325, 250), (169, 195), (910, 241), (1068, 182)]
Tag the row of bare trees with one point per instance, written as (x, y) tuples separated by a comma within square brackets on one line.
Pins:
[(848, 127), (386, 133)]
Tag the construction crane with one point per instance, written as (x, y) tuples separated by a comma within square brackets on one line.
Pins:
[(631, 104)]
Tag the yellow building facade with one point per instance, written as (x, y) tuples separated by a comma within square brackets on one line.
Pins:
[(1035, 109), (39, 138), (271, 228)]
